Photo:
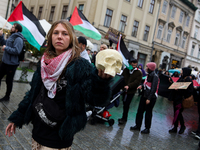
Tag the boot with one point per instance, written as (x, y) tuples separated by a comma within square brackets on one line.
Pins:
[(122, 121), (135, 128), (145, 131), (173, 130), (182, 129)]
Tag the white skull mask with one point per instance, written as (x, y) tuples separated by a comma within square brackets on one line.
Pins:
[(110, 61)]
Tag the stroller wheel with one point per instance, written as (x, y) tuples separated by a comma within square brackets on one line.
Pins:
[(111, 122)]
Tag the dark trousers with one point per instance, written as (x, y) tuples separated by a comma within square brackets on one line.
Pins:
[(148, 115), (9, 71), (126, 105), (179, 118)]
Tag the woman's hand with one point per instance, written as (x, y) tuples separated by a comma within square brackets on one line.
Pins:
[(10, 129), (103, 75), (147, 102), (139, 87)]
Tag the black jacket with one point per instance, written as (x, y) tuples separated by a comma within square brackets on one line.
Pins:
[(150, 93), (178, 95)]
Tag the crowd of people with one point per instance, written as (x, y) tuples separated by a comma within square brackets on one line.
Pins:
[(66, 79)]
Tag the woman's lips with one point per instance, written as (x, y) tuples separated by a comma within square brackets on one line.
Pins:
[(59, 43)]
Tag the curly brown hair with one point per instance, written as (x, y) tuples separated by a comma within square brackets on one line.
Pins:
[(73, 44)]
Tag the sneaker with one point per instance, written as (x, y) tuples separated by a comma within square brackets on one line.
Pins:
[(182, 129), (194, 132), (197, 136), (145, 131), (135, 128), (5, 98)]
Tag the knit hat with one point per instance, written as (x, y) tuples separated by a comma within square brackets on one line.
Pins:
[(133, 60), (151, 66), (82, 40)]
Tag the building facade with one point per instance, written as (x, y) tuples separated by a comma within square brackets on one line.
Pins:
[(134, 18), (172, 32), (193, 53)]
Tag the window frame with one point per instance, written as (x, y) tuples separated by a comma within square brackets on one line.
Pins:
[(164, 9), (192, 50), (82, 5), (151, 7), (181, 16), (52, 11), (199, 52), (173, 11), (146, 32), (169, 33), (183, 41), (32, 9), (122, 24), (108, 18), (187, 21), (159, 33), (140, 3), (40, 12), (196, 32), (177, 39), (135, 26), (64, 12)]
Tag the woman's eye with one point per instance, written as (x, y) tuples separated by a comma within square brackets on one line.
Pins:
[(55, 33), (65, 33)]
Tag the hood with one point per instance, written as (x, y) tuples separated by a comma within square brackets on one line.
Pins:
[(17, 34), (186, 72), (141, 65)]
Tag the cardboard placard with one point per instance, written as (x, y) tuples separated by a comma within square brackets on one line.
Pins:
[(180, 85), (113, 35)]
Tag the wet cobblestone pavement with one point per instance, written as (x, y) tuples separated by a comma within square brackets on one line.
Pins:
[(102, 136)]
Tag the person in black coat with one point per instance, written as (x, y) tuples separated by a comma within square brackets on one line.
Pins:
[(147, 100), (178, 95)]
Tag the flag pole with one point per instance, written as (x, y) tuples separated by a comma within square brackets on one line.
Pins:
[(4, 25)]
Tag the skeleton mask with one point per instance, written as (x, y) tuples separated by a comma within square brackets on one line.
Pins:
[(110, 61)]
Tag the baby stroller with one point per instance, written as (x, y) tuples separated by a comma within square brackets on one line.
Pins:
[(101, 114)]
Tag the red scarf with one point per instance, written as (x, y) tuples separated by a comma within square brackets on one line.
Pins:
[(51, 69)]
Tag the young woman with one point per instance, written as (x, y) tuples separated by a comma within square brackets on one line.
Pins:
[(177, 96), (148, 99), (65, 81)]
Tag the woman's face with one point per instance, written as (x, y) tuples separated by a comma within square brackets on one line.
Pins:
[(140, 67), (60, 39)]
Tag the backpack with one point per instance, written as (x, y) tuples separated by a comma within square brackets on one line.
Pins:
[(22, 53)]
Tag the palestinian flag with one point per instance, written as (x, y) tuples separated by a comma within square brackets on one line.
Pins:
[(121, 48), (80, 23), (31, 27)]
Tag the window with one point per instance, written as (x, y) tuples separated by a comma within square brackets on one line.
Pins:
[(176, 39), (173, 11), (188, 21), (183, 42), (122, 23), (51, 13), (32, 9), (135, 28), (141, 59), (199, 53), (181, 17), (198, 16), (146, 33), (196, 32), (40, 13), (159, 34), (151, 6), (64, 12), (81, 6), (169, 35), (108, 18), (192, 50), (140, 3), (164, 8)]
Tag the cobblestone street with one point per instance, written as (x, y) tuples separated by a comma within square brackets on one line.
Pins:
[(102, 136)]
